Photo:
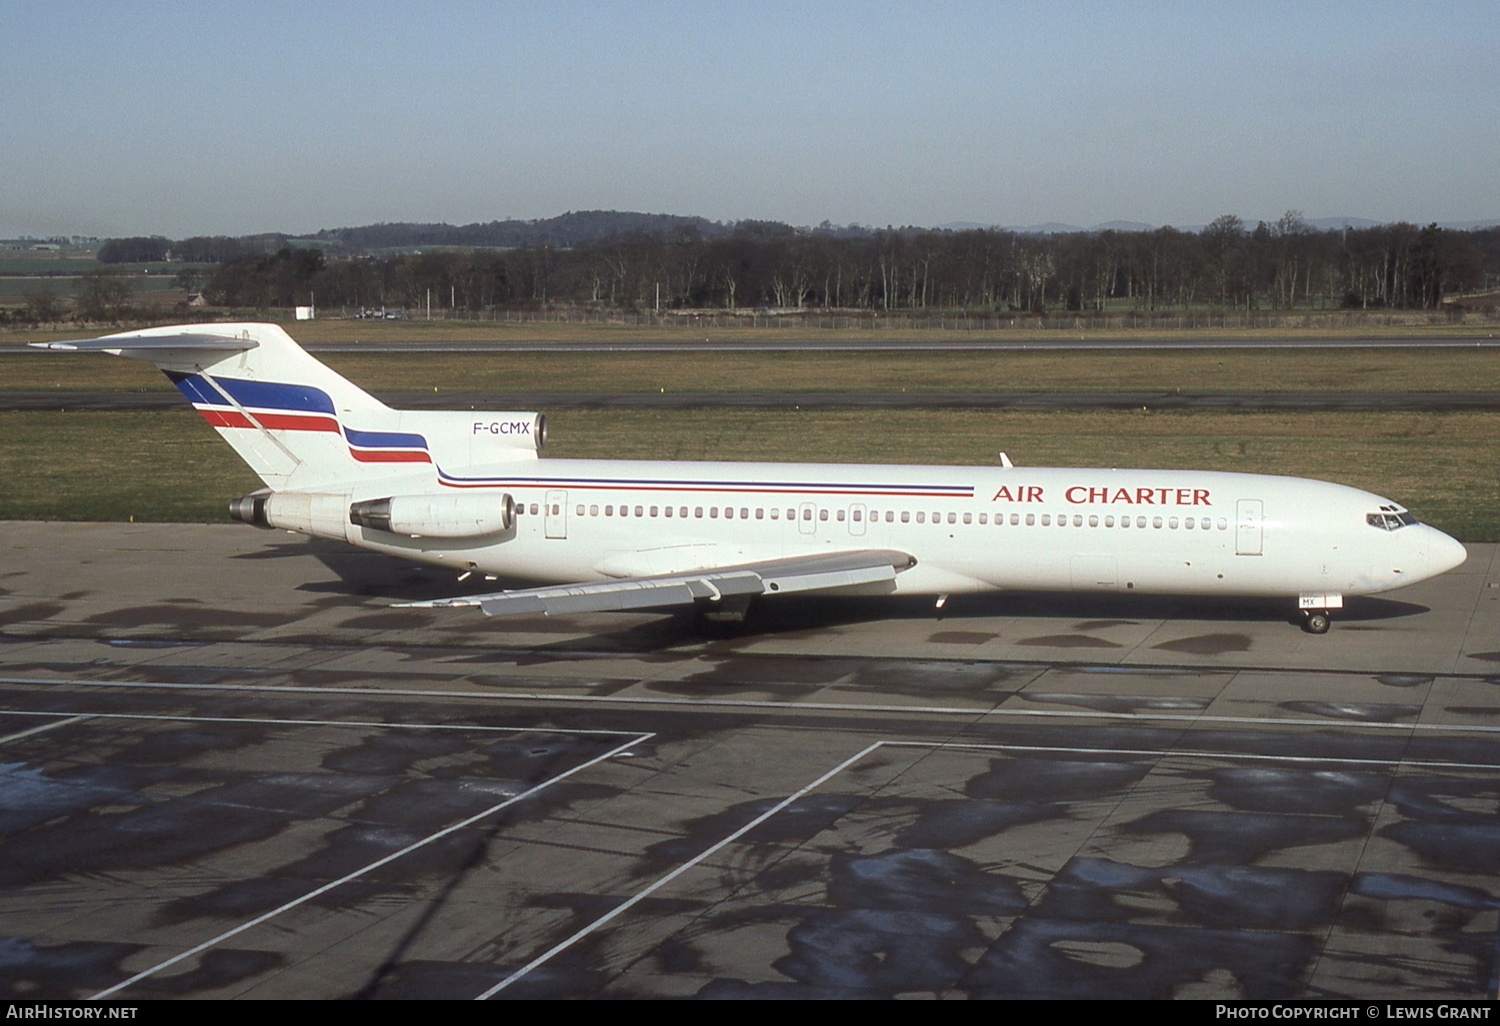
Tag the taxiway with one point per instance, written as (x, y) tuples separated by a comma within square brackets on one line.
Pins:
[(231, 770)]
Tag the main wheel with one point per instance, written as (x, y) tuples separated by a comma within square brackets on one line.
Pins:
[(1317, 622)]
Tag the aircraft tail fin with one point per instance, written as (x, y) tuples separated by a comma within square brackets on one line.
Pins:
[(299, 424)]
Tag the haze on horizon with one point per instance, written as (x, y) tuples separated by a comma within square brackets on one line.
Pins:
[(178, 119)]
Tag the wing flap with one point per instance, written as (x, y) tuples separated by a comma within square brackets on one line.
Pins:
[(830, 579), (816, 572)]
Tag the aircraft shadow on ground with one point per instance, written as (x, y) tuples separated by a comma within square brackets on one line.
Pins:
[(1092, 611), (359, 573), (362, 574)]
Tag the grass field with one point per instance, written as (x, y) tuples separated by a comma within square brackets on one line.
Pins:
[(44, 266), (170, 466), (13, 289), (1256, 370)]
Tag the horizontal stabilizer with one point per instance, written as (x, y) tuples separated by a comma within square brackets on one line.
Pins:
[(816, 572), (156, 343)]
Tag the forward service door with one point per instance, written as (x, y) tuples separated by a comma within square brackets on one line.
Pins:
[(1249, 520)]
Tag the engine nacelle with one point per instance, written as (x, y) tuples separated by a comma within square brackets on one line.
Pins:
[(320, 514), (461, 515)]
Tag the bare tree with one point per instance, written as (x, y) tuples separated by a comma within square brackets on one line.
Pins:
[(1223, 242), (104, 295), (43, 305)]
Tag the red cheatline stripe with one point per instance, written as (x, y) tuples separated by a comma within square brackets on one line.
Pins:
[(225, 418), (297, 422), (304, 422), (278, 421), (390, 456)]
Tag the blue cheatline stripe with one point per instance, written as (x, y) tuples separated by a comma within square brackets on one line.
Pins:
[(624, 482), (384, 439), (197, 388), (261, 395), (271, 395)]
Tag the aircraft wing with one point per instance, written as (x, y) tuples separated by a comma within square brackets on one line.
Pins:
[(813, 572)]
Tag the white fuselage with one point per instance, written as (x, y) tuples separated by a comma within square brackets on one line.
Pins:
[(969, 528)]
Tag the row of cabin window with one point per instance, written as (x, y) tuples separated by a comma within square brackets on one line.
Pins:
[(905, 516)]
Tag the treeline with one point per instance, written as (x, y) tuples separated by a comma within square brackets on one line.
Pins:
[(1226, 265)]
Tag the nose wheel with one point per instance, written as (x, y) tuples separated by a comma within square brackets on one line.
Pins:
[(1316, 621)]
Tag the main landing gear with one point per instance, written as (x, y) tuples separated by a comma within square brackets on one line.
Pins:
[(1316, 621)]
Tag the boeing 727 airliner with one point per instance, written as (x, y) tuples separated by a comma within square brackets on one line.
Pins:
[(471, 491)]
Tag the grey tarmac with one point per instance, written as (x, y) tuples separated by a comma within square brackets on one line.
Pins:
[(231, 769)]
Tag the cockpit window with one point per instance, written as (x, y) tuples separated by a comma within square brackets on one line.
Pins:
[(1390, 521)]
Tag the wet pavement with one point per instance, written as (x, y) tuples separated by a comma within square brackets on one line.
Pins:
[(240, 774)]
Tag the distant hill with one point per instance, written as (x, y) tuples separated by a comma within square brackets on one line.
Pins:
[(1321, 224), (1046, 228), (585, 227), (1324, 224), (1469, 226), (1124, 226), (570, 229)]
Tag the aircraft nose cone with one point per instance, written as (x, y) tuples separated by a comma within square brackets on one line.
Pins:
[(1443, 553)]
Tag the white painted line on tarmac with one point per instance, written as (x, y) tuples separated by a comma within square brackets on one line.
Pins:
[(641, 895), (316, 892), (269, 721), (72, 718), (1155, 753), (792, 706), (934, 746)]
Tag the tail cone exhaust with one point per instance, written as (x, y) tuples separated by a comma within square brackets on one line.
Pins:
[(250, 509)]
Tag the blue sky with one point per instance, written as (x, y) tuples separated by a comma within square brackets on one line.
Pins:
[(130, 117)]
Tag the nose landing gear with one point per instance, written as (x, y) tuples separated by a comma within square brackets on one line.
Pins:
[(1314, 607), (1316, 621)]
